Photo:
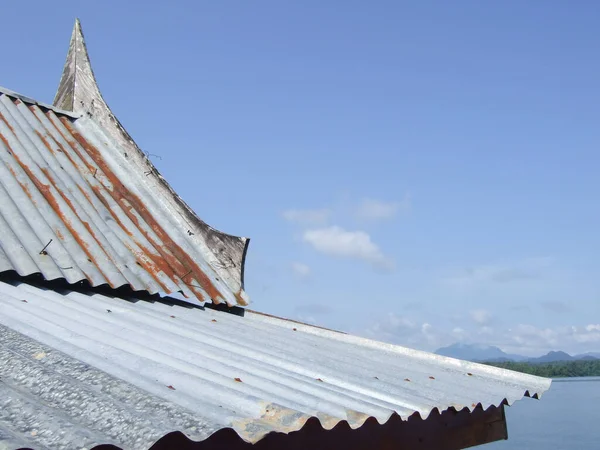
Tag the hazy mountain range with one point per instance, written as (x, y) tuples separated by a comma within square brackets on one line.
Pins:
[(489, 353)]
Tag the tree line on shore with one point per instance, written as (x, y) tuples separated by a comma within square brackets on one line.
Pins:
[(558, 369)]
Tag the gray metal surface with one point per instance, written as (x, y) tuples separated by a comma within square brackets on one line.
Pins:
[(212, 370), (78, 91), (74, 207)]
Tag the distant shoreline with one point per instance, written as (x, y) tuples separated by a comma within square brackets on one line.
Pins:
[(557, 369)]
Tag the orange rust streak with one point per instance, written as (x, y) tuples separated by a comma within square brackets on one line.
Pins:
[(84, 244), (149, 263), (146, 262), (168, 263), (66, 138), (47, 194), (46, 143), (85, 194), (240, 300), (7, 123), (5, 143)]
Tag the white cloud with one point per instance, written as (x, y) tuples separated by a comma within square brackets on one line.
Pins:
[(480, 316), (371, 209), (307, 216), (500, 273), (522, 339), (534, 341), (485, 330), (300, 270), (335, 241), (405, 331)]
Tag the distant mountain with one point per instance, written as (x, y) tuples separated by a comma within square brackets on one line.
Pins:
[(490, 353), (477, 353), (551, 357), (589, 355)]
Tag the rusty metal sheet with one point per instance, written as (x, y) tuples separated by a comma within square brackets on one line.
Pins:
[(255, 374), (72, 206)]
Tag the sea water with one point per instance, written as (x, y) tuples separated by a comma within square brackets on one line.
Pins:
[(566, 418)]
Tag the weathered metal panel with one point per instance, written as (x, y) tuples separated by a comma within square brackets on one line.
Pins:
[(255, 374), (79, 92), (73, 208)]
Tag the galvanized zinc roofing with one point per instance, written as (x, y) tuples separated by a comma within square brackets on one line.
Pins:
[(126, 370), (75, 207)]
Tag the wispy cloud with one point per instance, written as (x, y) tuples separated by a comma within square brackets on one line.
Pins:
[(480, 316), (500, 273), (556, 307), (307, 216), (300, 270), (405, 331), (375, 210), (335, 241), (316, 309)]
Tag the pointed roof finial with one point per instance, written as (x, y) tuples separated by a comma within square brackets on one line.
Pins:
[(78, 86)]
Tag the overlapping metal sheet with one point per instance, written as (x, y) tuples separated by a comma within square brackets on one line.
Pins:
[(68, 358), (74, 207)]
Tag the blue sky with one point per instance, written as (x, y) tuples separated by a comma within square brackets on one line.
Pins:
[(421, 173)]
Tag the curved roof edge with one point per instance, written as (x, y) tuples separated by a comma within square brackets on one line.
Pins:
[(78, 93)]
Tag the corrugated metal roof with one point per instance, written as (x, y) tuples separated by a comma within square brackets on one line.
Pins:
[(201, 370), (74, 207)]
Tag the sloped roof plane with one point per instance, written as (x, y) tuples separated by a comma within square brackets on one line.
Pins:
[(83, 202), (203, 371)]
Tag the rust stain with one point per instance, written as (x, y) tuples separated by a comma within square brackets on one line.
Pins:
[(53, 201), (7, 123), (473, 405), (155, 250), (319, 379), (432, 378), (46, 192), (46, 143), (238, 380), (173, 258), (407, 379), (151, 268), (171, 387), (214, 320), (6, 143), (152, 265), (172, 317), (469, 374)]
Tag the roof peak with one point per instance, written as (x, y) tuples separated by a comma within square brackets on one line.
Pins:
[(78, 92), (77, 82)]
